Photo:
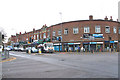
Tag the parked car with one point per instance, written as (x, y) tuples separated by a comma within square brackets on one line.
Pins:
[(16, 49), (32, 49), (21, 49), (1, 48), (7, 48)]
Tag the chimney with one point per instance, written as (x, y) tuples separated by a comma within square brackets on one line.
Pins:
[(106, 18), (20, 32), (45, 25), (25, 32), (90, 17), (117, 20), (111, 18), (33, 29)]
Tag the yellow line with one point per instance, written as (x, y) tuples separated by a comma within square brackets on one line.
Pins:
[(10, 59)]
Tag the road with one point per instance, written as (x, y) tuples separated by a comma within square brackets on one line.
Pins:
[(101, 65)]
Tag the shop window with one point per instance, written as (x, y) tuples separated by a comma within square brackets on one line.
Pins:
[(75, 30), (53, 33), (97, 29), (65, 31), (114, 30), (107, 29), (86, 30), (59, 32)]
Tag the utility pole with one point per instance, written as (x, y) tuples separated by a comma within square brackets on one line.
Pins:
[(61, 32)]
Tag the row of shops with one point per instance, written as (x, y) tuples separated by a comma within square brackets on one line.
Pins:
[(87, 46)]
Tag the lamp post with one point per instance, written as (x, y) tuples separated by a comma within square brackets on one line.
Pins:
[(61, 30)]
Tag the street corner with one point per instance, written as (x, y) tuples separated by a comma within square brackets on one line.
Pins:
[(9, 59)]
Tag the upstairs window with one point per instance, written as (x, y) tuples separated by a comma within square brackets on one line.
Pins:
[(44, 35), (75, 30), (65, 31), (97, 29), (114, 30), (86, 30), (107, 29), (59, 32), (53, 33)]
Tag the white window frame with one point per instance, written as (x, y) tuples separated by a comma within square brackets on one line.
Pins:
[(66, 31), (48, 34), (86, 29), (59, 32), (119, 30), (106, 29), (37, 36), (114, 29), (97, 29), (34, 37), (44, 35), (75, 30), (40, 36), (53, 33)]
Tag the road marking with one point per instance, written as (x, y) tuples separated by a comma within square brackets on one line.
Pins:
[(10, 59)]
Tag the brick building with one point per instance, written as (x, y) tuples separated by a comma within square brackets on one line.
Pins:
[(92, 34)]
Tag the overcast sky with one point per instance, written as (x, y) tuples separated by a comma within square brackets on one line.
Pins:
[(24, 15)]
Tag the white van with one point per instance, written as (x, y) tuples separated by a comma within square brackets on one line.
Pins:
[(1, 48)]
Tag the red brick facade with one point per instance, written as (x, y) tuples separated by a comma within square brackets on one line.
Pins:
[(76, 38)]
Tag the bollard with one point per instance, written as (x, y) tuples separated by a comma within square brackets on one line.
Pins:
[(29, 51), (39, 51)]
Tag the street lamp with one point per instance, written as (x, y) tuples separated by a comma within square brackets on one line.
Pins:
[(61, 30)]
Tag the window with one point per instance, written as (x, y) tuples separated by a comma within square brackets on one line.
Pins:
[(119, 30), (107, 29), (65, 31), (97, 29), (34, 37), (48, 34), (59, 32), (75, 30), (53, 33), (114, 30), (44, 35), (86, 30), (37, 36), (40, 36)]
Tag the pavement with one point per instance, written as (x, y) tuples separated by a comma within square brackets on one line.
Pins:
[(62, 65)]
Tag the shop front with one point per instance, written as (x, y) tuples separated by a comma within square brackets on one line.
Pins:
[(111, 46), (86, 46), (96, 46), (72, 47), (57, 47), (93, 46)]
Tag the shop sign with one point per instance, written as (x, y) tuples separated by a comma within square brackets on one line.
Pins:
[(93, 42), (98, 35), (76, 43), (116, 41), (86, 43), (106, 41), (57, 44), (111, 41), (70, 43), (86, 35), (99, 42)]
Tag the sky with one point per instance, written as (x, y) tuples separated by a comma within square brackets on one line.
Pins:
[(24, 15)]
